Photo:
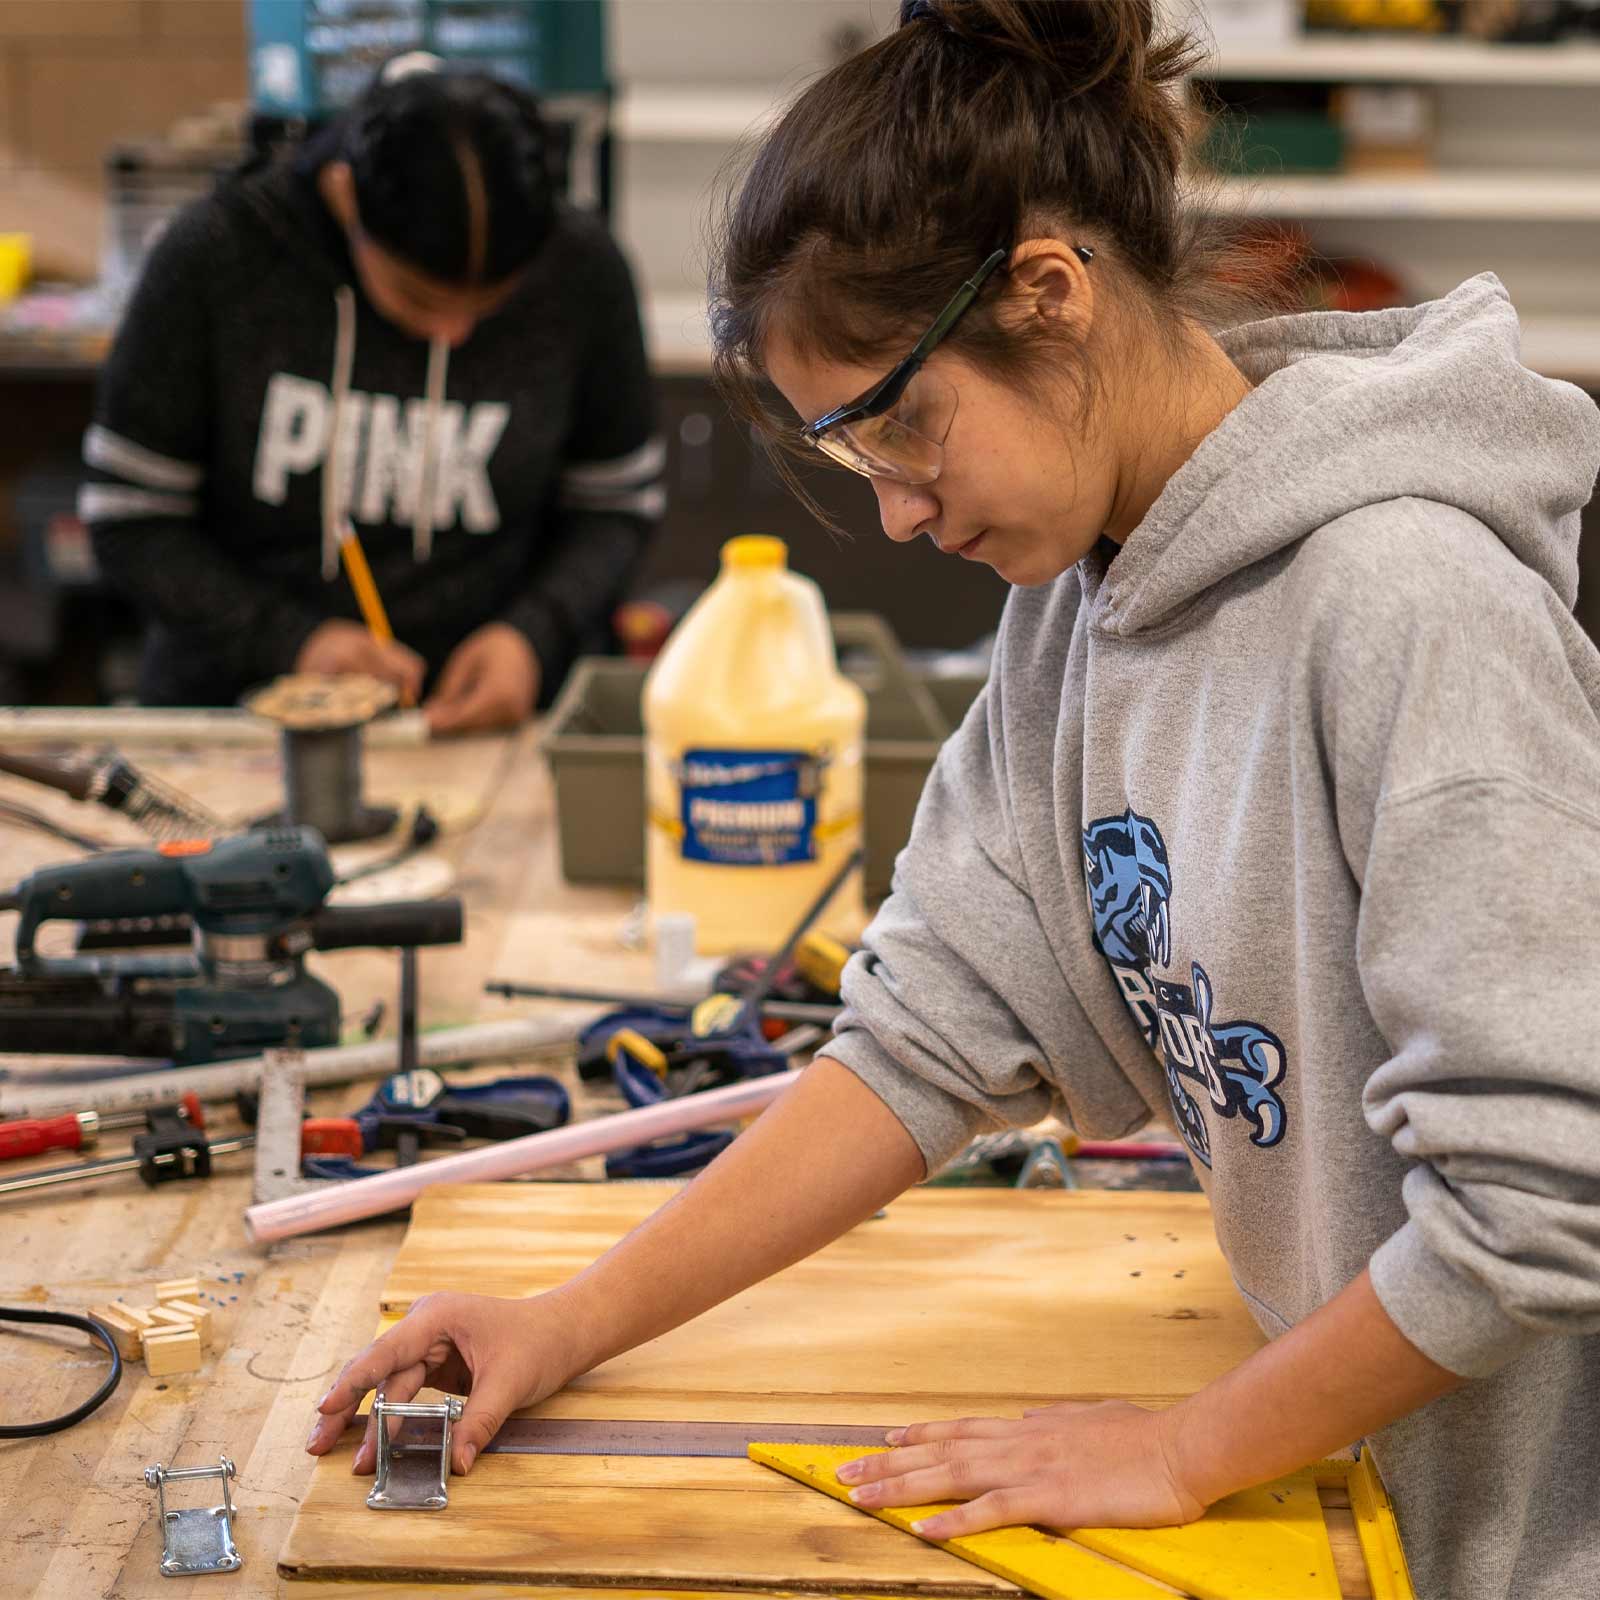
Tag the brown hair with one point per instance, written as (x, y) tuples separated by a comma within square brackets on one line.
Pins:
[(895, 173)]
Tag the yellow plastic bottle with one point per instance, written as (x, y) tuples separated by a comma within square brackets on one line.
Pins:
[(753, 759)]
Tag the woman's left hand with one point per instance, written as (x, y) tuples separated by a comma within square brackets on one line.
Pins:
[(1106, 1465), (491, 680)]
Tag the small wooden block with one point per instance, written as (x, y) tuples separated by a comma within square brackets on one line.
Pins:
[(178, 1289), (169, 1317), (125, 1333), (199, 1315), (169, 1353), (137, 1315)]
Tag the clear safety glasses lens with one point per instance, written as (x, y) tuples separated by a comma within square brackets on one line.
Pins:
[(905, 445)]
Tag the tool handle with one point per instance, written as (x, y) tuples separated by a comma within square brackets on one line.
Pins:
[(77, 1131), (401, 922), (64, 776), (330, 1136), (119, 883)]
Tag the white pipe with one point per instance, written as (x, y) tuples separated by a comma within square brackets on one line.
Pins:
[(127, 726), (516, 1158), (483, 1041)]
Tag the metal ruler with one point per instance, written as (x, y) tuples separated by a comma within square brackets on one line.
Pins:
[(280, 1104), (571, 1436)]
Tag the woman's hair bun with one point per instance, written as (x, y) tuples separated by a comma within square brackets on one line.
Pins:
[(1087, 45)]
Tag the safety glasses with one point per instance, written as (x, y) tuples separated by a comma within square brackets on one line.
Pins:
[(897, 429)]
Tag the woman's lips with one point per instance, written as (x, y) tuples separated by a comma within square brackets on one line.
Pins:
[(972, 547)]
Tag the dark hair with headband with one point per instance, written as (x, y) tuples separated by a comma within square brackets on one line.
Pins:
[(451, 173), (975, 124)]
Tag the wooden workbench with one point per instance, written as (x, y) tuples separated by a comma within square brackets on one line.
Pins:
[(75, 1516)]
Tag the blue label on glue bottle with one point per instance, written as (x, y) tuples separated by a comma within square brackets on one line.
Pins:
[(749, 808)]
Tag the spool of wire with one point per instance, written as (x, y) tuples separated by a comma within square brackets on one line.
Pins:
[(322, 719)]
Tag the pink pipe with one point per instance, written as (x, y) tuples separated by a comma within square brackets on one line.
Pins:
[(515, 1158)]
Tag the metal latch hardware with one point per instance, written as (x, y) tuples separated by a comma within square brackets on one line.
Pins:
[(414, 1465), (201, 1538)]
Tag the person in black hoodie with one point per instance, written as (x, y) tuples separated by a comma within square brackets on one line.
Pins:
[(399, 329)]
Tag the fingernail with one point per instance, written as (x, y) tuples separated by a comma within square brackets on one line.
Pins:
[(311, 1438), (468, 1456), (894, 1436), (849, 1472), (924, 1528)]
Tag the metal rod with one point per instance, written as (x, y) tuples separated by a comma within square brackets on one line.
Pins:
[(408, 1008), (178, 1474), (54, 1177), (346, 1063), (779, 1010), (757, 995)]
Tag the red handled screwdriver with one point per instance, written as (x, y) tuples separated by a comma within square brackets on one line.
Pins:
[(80, 1130)]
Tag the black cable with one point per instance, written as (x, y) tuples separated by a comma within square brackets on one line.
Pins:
[(423, 831), (63, 1319), (26, 817)]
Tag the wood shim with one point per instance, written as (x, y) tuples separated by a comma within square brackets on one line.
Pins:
[(164, 1317), (137, 1315), (125, 1333), (198, 1315), (168, 1353)]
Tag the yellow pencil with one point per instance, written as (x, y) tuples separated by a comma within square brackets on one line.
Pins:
[(366, 591)]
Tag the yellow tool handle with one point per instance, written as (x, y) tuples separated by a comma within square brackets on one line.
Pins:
[(820, 960), (649, 1056), (715, 1014)]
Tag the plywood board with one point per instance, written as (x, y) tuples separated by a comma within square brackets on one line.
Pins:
[(597, 1520), (955, 1302), (1058, 1294)]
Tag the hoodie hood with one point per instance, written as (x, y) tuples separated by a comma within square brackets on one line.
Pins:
[(1430, 402)]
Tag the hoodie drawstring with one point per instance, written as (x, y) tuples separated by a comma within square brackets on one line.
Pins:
[(344, 358), (422, 522)]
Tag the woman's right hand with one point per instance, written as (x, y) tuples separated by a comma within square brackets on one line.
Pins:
[(501, 1354), (338, 646)]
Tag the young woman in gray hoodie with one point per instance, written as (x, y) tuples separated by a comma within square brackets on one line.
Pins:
[(1279, 818)]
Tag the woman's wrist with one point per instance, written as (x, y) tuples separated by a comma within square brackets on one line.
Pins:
[(586, 1330)]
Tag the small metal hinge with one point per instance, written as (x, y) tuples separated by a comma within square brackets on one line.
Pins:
[(201, 1538), (413, 1465)]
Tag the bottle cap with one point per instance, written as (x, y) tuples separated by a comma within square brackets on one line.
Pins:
[(753, 550)]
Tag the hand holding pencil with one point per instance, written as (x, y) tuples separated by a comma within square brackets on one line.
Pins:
[(339, 646)]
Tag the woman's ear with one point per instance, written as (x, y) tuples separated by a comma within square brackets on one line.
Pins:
[(1047, 282), (337, 184)]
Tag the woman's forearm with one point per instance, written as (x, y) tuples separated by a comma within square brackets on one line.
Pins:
[(821, 1159), (1344, 1372)]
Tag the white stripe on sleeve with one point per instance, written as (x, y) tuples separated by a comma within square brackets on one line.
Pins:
[(651, 502), (631, 471), (112, 453), (110, 502)]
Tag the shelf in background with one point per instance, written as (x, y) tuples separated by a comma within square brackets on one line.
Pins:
[(1411, 60), (1482, 195), (1557, 346)]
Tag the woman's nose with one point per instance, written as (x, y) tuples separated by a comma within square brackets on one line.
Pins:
[(904, 509)]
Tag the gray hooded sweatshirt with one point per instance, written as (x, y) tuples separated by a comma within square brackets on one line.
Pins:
[(1282, 824)]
